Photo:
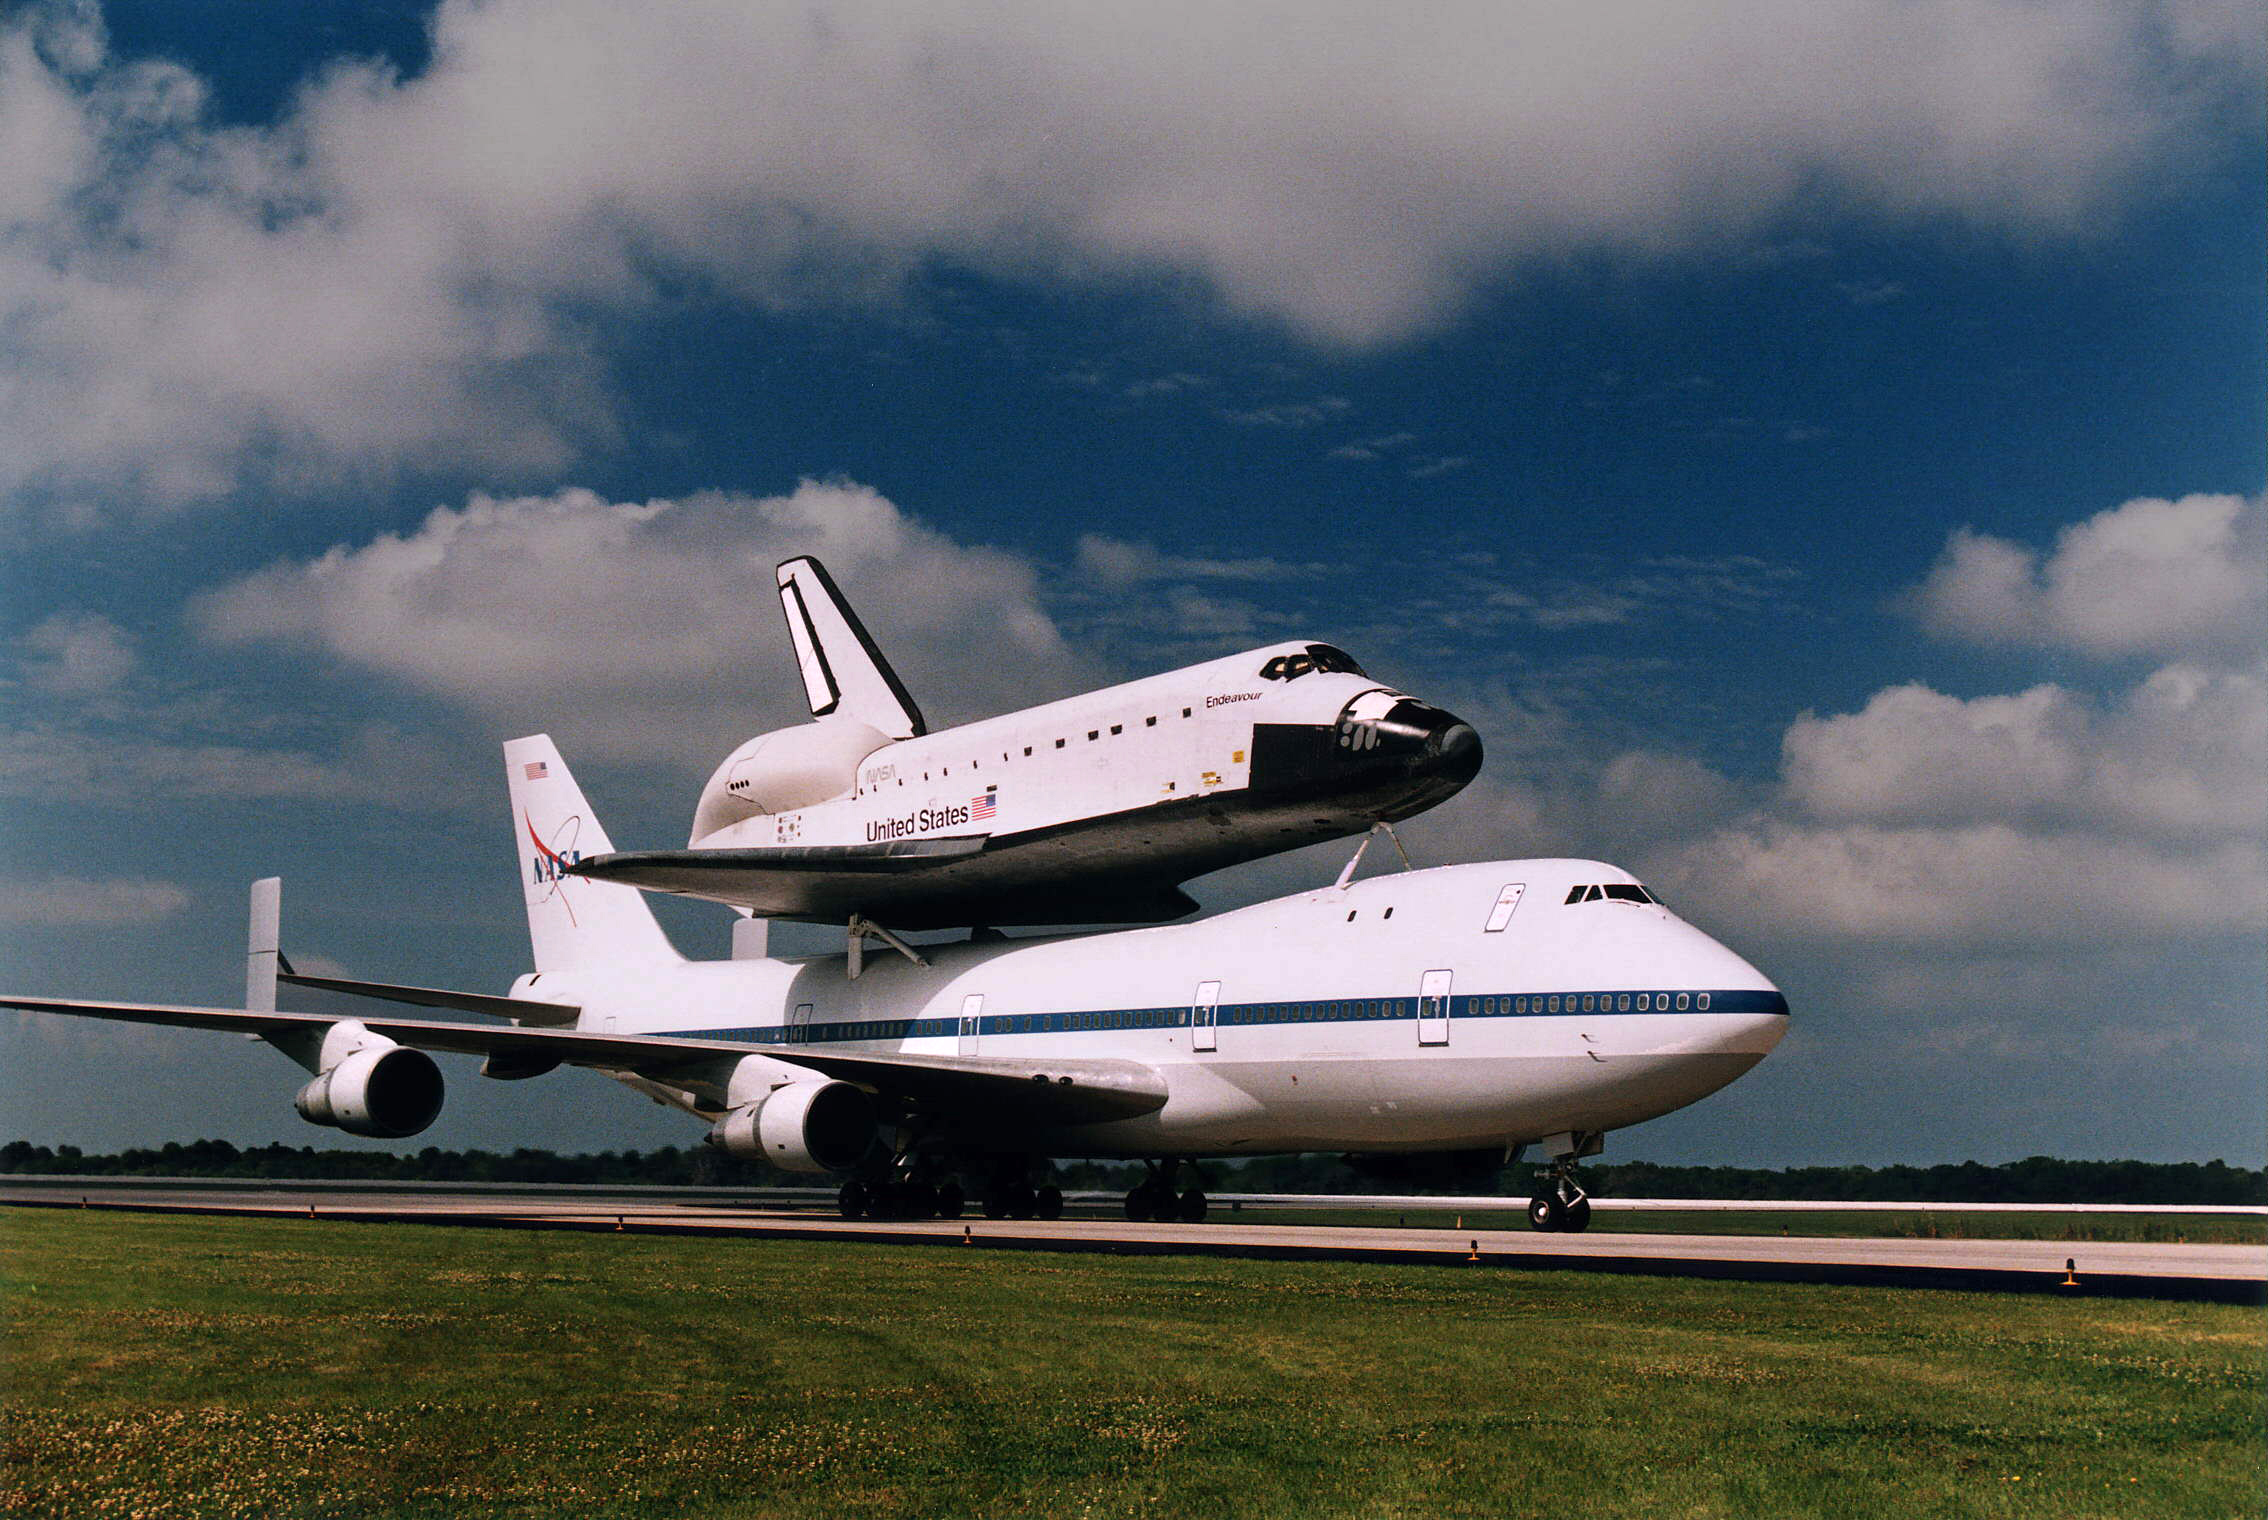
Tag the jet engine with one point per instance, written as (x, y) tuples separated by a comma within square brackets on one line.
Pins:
[(784, 770), (802, 1127), (381, 1092)]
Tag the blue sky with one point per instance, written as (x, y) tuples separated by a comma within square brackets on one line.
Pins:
[(1820, 447)]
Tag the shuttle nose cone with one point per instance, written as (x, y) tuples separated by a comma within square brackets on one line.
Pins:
[(1453, 751)]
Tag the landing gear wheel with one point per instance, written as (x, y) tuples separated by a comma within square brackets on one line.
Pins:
[(1547, 1213), (1138, 1205), (996, 1203), (950, 1200), (1020, 1201), (1047, 1203), (1192, 1206), (852, 1201), (1578, 1214), (921, 1200)]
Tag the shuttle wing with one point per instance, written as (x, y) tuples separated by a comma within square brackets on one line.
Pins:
[(1047, 1090), (908, 884)]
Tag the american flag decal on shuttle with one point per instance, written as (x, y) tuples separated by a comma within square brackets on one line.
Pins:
[(981, 808)]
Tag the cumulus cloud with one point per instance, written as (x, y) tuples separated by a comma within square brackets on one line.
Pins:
[(2182, 756), (2153, 577), (69, 902), (405, 269), (2050, 815), (78, 654), (652, 629)]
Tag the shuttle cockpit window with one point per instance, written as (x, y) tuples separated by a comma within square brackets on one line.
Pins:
[(1290, 667)]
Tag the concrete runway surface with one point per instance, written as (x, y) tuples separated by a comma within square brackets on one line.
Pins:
[(2224, 1273)]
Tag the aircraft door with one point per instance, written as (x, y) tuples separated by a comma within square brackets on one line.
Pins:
[(1204, 1011), (972, 1014), (799, 1027), (1433, 1009)]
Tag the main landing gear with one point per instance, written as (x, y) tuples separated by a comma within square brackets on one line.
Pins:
[(1154, 1197), (1560, 1203), (1006, 1196)]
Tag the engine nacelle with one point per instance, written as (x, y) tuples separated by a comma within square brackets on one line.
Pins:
[(802, 1127), (782, 771), (381, 1092)]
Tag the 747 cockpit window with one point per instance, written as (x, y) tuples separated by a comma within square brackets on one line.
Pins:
[(1290, 667), (1613, 891)]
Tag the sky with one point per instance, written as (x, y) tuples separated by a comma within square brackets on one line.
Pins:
[(1818, 443)]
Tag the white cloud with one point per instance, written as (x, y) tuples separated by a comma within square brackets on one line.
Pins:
[(79, 654), (1118, 563), (1970, 885), (652, 630), (68, 902), (2152, 577), (403, 270)]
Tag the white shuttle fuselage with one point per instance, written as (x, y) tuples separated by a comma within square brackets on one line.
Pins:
[(1087, 810)]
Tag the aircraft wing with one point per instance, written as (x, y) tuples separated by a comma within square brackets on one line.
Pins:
[(1044, 1090), (526, 1009)]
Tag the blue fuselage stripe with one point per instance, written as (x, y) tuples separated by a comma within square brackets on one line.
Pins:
[(1495, 1005)]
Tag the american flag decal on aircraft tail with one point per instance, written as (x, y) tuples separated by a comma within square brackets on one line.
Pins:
[(537, 770)]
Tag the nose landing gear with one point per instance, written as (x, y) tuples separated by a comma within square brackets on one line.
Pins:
[(1560, 1203)]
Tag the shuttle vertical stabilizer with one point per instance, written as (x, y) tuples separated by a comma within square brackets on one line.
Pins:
[(842, 670)]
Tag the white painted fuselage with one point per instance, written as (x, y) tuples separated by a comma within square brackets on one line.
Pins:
[(1463, 1006)]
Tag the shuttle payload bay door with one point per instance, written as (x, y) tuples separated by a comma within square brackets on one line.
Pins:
[(1433, 1009), (1204, 1011), (972, 1011)]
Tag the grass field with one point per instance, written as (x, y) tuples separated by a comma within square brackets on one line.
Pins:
[(161, 1367)]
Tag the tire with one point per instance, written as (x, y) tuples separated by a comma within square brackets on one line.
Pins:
[(1192, 1207), (1547, 1213), (921, 1200), (995, 1203), (852, 1201), (1020, 1201), (1578, 1215), (1047, 1203), (950, 1200), (1138, 1205)]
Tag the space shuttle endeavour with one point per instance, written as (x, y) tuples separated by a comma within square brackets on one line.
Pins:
[(1094, 809)]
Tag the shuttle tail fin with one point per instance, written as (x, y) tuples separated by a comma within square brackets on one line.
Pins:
[(571, 919), (842, 670)]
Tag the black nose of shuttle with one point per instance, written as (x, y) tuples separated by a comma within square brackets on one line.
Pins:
[(1453, 750)]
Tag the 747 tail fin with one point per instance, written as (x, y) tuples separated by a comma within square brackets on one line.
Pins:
[(571, 920)]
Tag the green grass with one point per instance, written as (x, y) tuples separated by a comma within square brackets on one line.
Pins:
[(1917, 1224), (166, 1366)]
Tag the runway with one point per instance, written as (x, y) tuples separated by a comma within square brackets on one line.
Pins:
[(2222, 1273)]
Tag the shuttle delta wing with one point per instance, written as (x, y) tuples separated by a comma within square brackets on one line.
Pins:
[(1052, 1090), (842, 670), (909, 884)]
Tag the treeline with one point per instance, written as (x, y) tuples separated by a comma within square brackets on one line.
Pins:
[(2036, 1179)]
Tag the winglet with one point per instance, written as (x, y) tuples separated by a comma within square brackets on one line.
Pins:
[(263, 945), (842, 670)]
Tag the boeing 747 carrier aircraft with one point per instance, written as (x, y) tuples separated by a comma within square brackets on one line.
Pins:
[(1506, 1004), (1090, 810)]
